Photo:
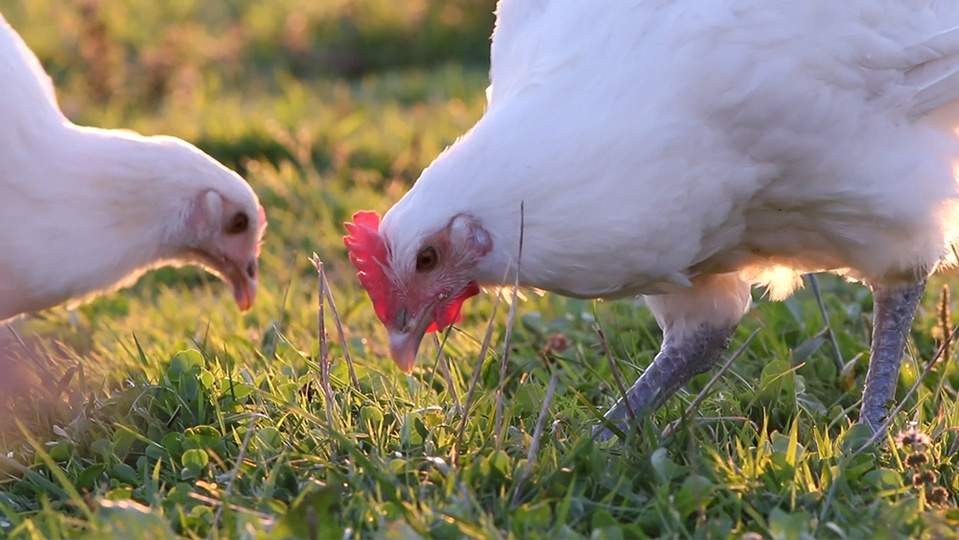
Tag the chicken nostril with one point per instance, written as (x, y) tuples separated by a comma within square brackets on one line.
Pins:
[(251, 269), (402, 319)]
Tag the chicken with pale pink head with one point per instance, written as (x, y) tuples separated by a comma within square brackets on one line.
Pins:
[(85, 211)]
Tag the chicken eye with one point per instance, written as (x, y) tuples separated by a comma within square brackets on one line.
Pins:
[(426, 260), (239, 223)]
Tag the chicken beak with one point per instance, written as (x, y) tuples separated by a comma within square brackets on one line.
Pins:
[(244, 292), (403, 349), (244, 285), (405, 344)]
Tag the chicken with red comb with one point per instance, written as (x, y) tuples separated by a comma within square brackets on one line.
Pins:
[(408, 307), (686, 151)]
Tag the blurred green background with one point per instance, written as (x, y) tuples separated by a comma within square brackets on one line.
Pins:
[(129, 416), (212, 72)]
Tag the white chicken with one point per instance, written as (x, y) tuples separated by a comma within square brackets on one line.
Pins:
[(85, 210), (686, 151)]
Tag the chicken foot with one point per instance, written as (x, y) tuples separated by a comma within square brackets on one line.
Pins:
[(893, 311), (678, 361)]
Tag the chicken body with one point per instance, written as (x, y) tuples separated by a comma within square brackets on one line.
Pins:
[(687, 151), (84, 210)]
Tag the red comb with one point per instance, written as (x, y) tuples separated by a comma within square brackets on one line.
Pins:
[(368, 254)]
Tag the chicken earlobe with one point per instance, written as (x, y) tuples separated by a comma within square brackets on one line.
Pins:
[(678, 361), (893, 311)]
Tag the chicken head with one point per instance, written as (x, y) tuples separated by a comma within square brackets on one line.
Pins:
[(226, 239), (421, 289)]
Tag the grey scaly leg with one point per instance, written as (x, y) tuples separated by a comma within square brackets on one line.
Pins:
[(678, 361), (893, 311)]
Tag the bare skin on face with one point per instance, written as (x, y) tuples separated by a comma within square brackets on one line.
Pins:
[(229, 244), (423, 293)]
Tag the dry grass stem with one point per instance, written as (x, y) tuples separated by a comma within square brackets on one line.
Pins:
[(265, 519), (23, 345), (447, 375), (498, 423), (324, 344), (837, 354), (954, 447), (671, 428), (615, 371), (944, 317), (537, 435), (342, 335), (477, 368), (233, 474)]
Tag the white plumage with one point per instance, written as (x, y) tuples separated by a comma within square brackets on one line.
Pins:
[(83, 210), (687, 150), (690, 138)]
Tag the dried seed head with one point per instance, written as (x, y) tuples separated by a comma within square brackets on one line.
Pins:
[(938, 495), (922, 440), (916, 459), (556, 343), (912, 437), (923, 478), (904, 438)]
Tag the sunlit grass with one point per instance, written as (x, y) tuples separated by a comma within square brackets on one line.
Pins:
[(148, 398)]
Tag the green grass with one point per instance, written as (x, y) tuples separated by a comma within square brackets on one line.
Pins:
[(161, 410)]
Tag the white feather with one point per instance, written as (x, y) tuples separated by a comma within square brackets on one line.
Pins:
[(656, 142), (84, 210)]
